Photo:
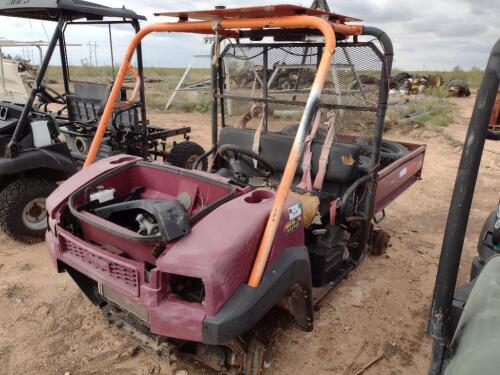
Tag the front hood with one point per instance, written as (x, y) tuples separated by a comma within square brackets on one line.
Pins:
[(84, 176)]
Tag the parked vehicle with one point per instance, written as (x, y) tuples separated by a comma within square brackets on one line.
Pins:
[(33, 156), (464, 324), (191, 260)]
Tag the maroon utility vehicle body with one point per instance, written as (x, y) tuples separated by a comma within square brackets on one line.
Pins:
[(173, 254)]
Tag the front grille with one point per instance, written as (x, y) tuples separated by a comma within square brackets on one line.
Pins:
[(116, 273)]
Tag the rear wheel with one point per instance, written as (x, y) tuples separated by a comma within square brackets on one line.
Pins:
[(185, 155), (22, 208)]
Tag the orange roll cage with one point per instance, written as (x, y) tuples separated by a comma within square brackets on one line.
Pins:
[(229, 28)]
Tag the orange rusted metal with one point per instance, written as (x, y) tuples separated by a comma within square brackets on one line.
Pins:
[(280, 10), (222, 26)]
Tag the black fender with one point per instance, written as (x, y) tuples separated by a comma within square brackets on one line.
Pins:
[(289, 278), (53, 161)]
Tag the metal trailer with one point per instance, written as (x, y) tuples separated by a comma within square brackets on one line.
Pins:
[(40, 147)]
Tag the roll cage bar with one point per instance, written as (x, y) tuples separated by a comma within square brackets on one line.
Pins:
[(266, 20), (67, 12), (458, 216)]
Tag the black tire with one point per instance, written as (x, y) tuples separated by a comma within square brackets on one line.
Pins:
[(15, 212), (388, 149), (185, 154), (393, 148), (291, 130)]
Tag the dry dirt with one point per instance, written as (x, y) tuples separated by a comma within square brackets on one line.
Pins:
[(48, 327)]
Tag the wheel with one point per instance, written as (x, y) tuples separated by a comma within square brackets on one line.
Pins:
[(22, 208), (185, 154)]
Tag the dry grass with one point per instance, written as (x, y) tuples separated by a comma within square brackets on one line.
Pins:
[(433, 112)]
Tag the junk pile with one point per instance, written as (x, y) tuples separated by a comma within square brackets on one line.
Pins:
[(407, 84)]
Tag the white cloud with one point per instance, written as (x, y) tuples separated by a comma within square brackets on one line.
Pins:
[(435, 34)]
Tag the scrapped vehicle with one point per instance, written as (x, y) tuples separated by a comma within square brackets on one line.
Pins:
[(405, 84), (464, 324), (45, 139), (458, 88), (191, 260)]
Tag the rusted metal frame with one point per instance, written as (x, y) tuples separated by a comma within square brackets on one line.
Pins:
[(296, 103)]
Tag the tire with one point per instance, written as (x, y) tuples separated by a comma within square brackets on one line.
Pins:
[(185, 154), (389, 150), (22, 208), (393, 148), (291, 130)]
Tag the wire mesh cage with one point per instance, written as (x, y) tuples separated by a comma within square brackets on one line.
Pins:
[(279, 78)]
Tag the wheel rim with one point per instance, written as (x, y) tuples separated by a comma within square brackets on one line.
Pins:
[(191, 161), (34, 215)]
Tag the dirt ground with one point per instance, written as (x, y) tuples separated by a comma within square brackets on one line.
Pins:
[(48, 327)]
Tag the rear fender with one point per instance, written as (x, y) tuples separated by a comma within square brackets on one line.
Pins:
[(288, 280), (42, 159)]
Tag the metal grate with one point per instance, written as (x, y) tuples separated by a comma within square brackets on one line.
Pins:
[(121, 274), (280, 76)]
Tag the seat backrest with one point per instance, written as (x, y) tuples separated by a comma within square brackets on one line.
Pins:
[(275, 148), (89, 98), (84, 104)]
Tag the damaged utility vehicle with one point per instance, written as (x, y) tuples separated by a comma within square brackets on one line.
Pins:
[(192, 260)]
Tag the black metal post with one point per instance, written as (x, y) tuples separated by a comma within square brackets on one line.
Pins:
[(458, 214), (12, 147), (111, 50), (265, 90), (142, 94), (64, 62), (386, 44), (214, 64), (221, 80)]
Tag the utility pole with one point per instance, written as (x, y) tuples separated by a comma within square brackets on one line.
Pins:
[(92, 53)]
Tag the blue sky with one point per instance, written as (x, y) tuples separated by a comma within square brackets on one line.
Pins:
[(432, 35)]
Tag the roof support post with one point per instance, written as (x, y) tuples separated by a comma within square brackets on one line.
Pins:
[(12, 147)]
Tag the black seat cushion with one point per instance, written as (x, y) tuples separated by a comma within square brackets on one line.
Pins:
[(275, 148)]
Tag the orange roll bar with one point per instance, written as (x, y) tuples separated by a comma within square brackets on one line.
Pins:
[(223, 27)]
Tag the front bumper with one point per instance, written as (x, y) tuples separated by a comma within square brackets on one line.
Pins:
[(125, 277), (179, 319)]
